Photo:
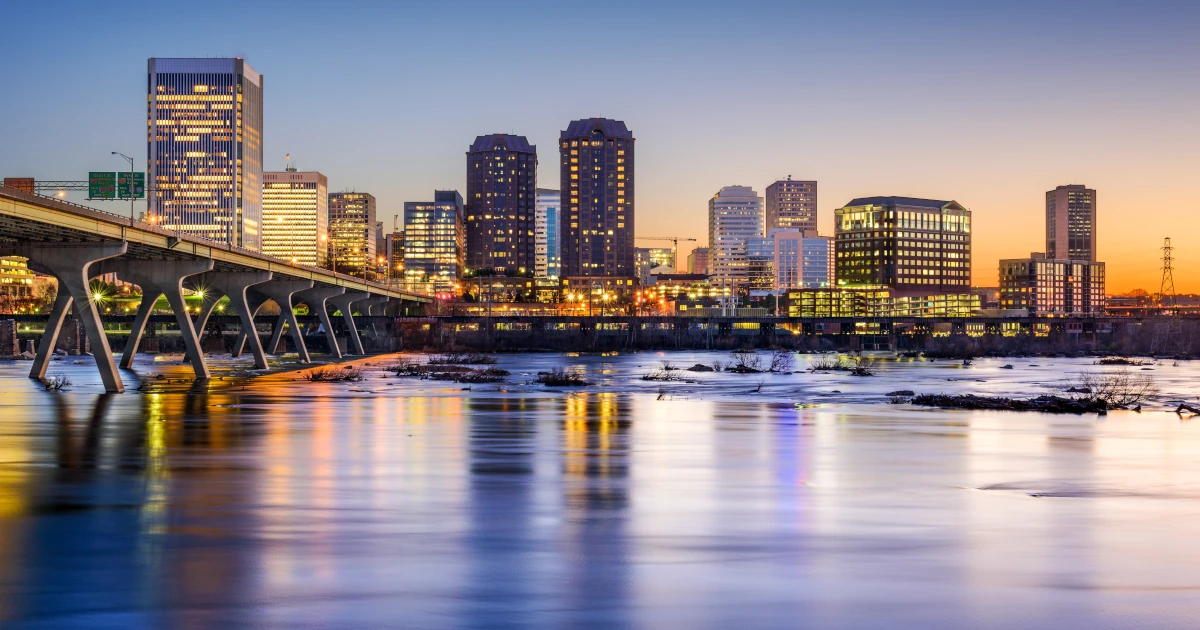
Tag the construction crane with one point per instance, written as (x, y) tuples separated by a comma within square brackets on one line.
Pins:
[(674, 245)]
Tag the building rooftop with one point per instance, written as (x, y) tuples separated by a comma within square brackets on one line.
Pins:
[(588, 126), (898, 201), (509, 142)]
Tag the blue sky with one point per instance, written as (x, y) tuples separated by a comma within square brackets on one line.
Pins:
[(990, 104)]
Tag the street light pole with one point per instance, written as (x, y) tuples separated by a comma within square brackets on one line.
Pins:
[(130, 183)]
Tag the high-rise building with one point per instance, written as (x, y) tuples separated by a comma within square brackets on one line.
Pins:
[(792, 205), (1041, 286), (435, 240), (903, 243), (295, 214), (697, 261), (735, 215), (205, 149), (501, 184), (352, 233), (1071, 223), (547, 236), (597, 181)]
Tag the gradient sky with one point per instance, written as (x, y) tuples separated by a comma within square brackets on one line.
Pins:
[(990, 104)]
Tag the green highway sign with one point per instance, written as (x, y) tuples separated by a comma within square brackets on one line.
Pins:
[(102, 185), (139, 185)]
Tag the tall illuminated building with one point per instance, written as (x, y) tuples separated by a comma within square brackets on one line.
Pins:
[(904, 243), (501, 180), (205, 149), (792, 205), (1071, 223), (735, 215), (435, 240), (352, 228), (547, 233), (597, 182), (295, 224)]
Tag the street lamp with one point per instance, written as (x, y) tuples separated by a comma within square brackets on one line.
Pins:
[(130, 160)]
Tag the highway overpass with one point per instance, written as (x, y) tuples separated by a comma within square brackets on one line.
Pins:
[(75, 243)]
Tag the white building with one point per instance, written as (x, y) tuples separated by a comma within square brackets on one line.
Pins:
[(735, 215), (547, 260)]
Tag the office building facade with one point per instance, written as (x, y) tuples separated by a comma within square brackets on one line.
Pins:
[(295, 220), (500, 204), (352, 233), (903, 243), (1043, 287), (787, 259), (735, 215), (547, 235), (435, 241), (697, 261), (792, 205), (1071, 223), (598, 212), (205, 149)]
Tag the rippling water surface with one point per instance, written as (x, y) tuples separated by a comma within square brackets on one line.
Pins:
[(786, 501)]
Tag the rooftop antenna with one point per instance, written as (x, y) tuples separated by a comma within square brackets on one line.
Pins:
[(290, 168)]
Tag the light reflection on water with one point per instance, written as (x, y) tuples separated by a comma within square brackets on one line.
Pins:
[(400, 503)]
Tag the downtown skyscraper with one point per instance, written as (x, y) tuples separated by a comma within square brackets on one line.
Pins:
[(352, 228), (205, 149), (296, 217), (1071, 223), (792, 205), (501, 184), (547, 233), (735, 215), (597, 184)]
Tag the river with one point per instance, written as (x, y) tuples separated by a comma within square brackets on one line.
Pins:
[(763, 501)]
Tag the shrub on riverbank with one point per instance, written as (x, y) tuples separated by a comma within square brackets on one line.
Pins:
[(333, 375), (561, 377)]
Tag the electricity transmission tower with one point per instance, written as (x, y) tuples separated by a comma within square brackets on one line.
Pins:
[(1168, 331)]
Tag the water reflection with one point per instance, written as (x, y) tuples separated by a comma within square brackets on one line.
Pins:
[(286, 504)]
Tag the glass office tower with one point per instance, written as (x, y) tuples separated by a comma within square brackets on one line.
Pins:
[(205, 149), (546, 234), (435, 239)]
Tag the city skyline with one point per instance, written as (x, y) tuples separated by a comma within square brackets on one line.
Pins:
[(982, 127)]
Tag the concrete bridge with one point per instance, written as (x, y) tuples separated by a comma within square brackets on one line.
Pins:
[(74, 244)]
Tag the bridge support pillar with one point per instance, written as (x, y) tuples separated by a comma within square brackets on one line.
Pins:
[(372, 307), (161, 277), (255, 301), (235, 285), (316, 298), (344, 303), (70, 263), (281, 291)]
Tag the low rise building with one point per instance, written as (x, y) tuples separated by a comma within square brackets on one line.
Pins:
[(839, 302), (1043, 287)]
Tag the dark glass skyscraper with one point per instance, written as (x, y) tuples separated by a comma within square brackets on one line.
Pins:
[(205, 148), (501, 183), (597, 199)]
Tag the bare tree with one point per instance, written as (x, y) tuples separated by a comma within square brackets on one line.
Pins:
[(746, 361), (1117, 389), (864, 366), (781, 361)]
